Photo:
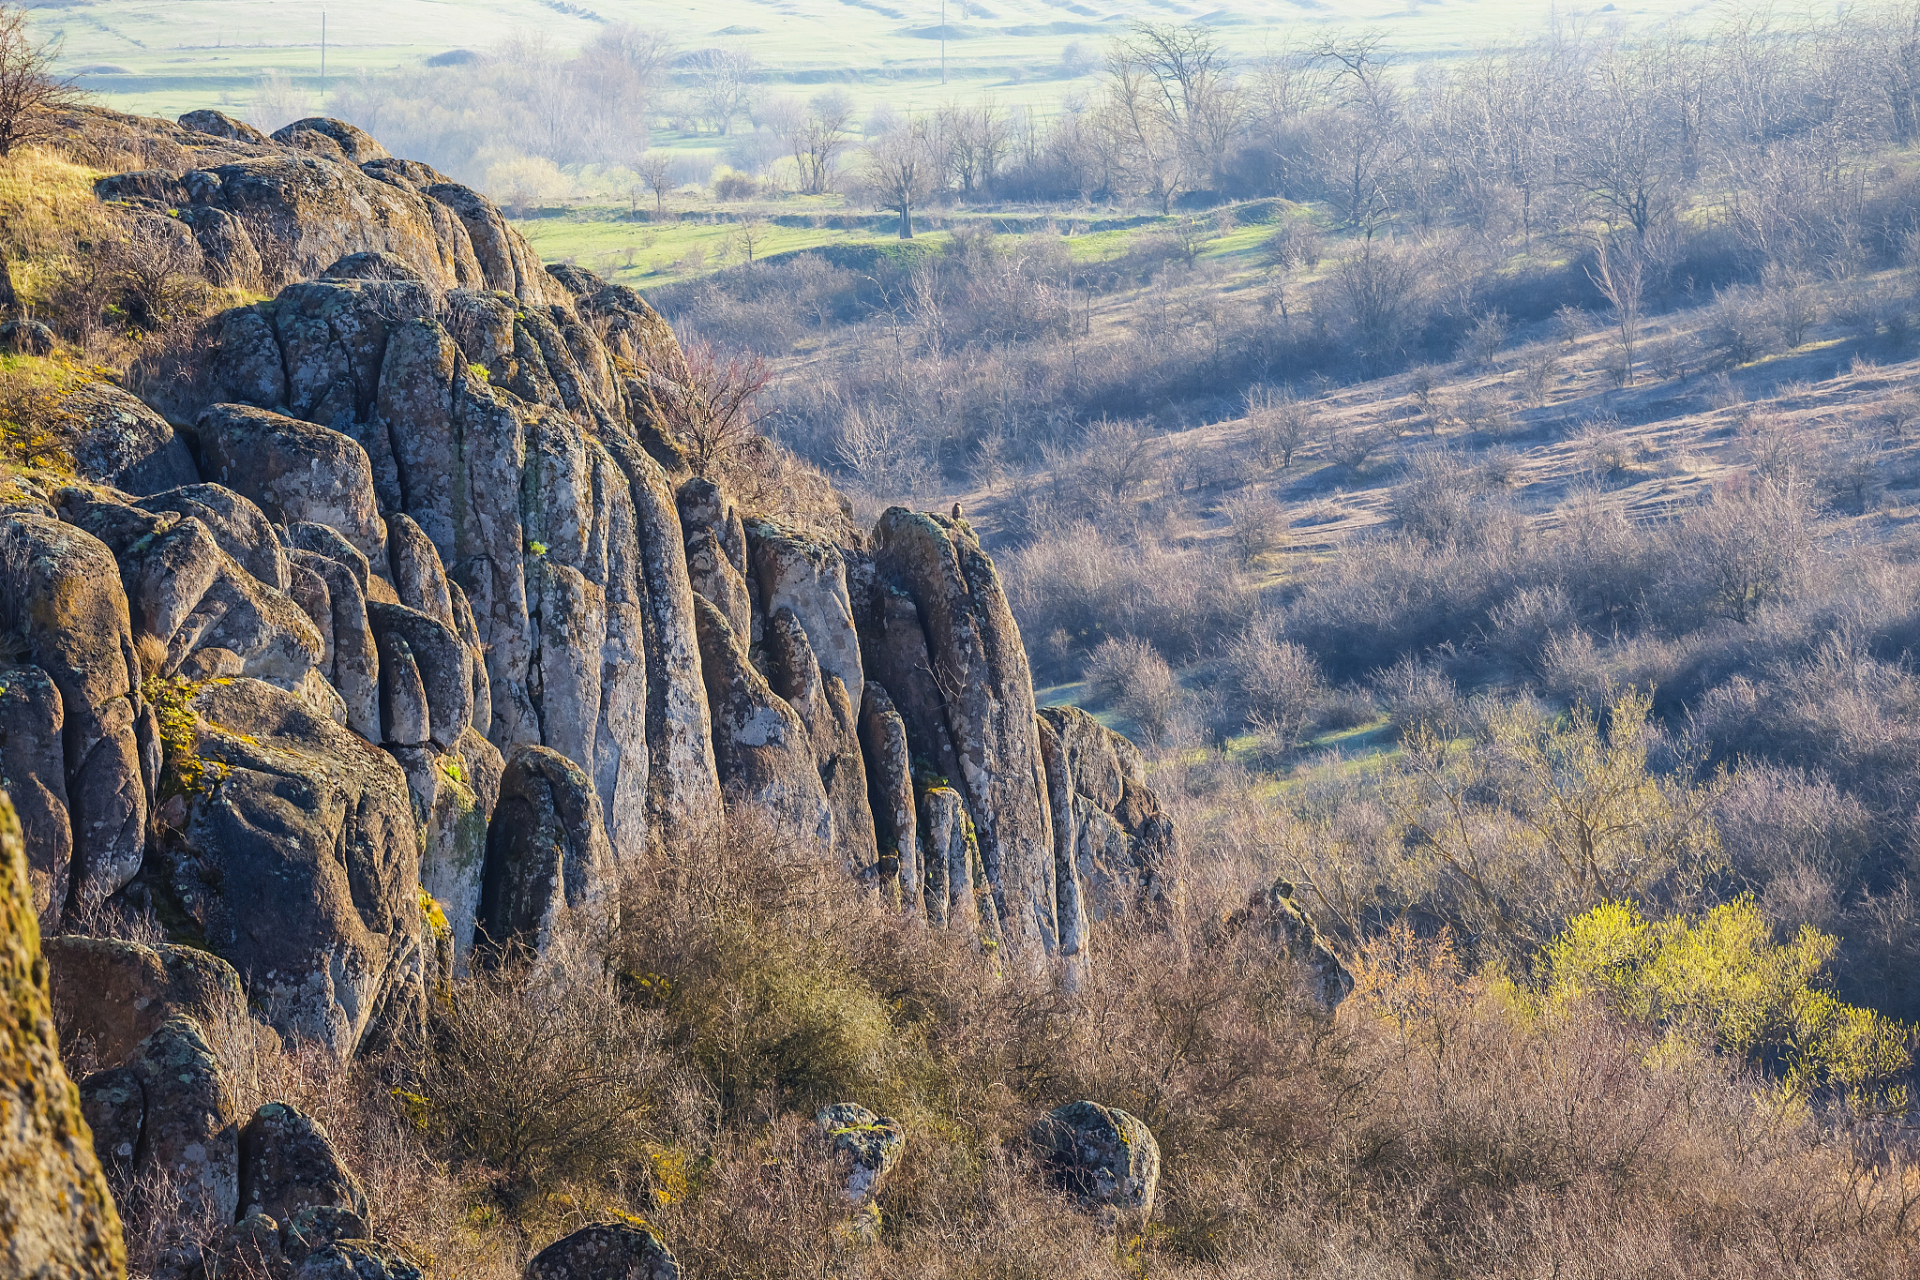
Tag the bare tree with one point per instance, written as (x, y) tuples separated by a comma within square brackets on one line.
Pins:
[(904, 169), (1361, 142), (818, 139), (656, 171), (1619, 271), (30, 94), (722, 82)]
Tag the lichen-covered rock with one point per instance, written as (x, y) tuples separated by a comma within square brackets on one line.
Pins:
[(419, 578), (356, 1260), (958, 895), (290, 844), (123, 443), (250, 1249), (190, 1133), (114, 994), (629, 1250), (221, 125), (821, 702), (313, 1229), (810, 578), (57, 1216), (507, 262), (294, 471), (979, 664), (353, 142), (1103, 1155), (1287, 925), (32, 772), (288, 1163), (453, 798), (883, 743), (355, 666), (239, 526), (714, 578), (445, 667), (870, 1145), (115, 1107), (60, 592), (547, 852), (760, 744)]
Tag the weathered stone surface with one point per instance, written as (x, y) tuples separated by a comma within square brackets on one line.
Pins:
[(288, 1163), (445, 667), (236, 523), (290, 843), (115, 1107), (760, 744), (123, 443), (958, 895), (403, 692), (309, 591), (869, 1144), (569, 615), (978, 660), (683, 782), (295, 471), (894, 650), (190, 1133), (448, 804), (313, 1229), (628, 1250), (419, 578), (115, 993), (1122, 846), (1283, 921), (60, 591), (356, 1260), (33, 773), (883, 744), (356, 144), (245, 360), (355, 669), (1103, 1155), (57, 1216), (323, 540), (507, 262), (248, 1249), (221, 125), (820, 700), (714, 578), (809, 577), (547, 852)]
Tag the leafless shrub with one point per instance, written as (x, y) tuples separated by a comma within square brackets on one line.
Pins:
[(1132, 676), (1257, 524), (32, 96)]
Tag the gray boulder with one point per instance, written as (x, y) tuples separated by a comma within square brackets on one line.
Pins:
[(883, 743), (1102, 1155), (33, 773), (189, 1133), (869, 1145), (628, 1250), (113, 994), (125, 444), (295, 471), (809, 577), (288, 1163)]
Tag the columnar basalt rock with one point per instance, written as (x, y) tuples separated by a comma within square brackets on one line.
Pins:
[(547, 853), (57, 1215), (1112, 841), (60, 593), (760, 744), (986, 690), (31, 771), (808, 577), (883, 743), (820, 700), (293, 470)]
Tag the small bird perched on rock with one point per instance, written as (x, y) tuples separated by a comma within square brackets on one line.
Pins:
[(956, 511)]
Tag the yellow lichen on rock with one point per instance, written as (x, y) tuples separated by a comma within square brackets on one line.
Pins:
[(56, 1215)]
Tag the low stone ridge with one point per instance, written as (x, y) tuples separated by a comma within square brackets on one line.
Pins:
[(627, 1249), (1103, 1155)]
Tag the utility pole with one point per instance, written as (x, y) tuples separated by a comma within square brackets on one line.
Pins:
[(323, 57), (943, 41)]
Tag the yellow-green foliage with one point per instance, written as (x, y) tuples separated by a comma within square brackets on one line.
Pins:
[(185, 772), (35, 433), (1721, 975)]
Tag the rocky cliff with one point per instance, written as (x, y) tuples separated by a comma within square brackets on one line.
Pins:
[(402, 596)]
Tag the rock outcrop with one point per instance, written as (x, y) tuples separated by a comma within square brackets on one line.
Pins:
[(57, 1216), (114, 994), (1285, 924)]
